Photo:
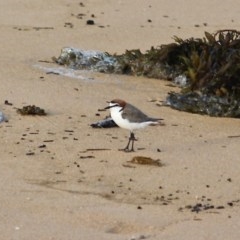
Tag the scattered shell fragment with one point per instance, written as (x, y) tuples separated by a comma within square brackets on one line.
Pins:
[(2, 118)]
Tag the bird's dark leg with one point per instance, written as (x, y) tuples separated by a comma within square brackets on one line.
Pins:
[(126, 149), (131, 138)]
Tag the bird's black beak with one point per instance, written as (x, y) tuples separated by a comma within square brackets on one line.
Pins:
[(111, 106), (107, 106)]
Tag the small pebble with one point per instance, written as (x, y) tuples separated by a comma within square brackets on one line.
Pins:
[(90, 22)]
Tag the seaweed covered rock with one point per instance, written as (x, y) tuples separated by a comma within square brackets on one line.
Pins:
[(212, 105), (212, 64), (152, 64), (86, 59), (132, 62), (211, 67)]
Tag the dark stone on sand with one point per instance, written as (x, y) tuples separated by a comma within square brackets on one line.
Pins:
[(90, 22)]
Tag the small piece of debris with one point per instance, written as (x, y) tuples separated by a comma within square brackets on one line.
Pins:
[(97, 149), (2, 117), (30, 153), (90, 156), (43, 28), (128, 165), (80, 15), (90, 22), (237, 136), (31, 110), (68, 24), (106, 123), (6, 102), (48, 140), (69, 131), (42, 146), (51, 72), (145, 161)]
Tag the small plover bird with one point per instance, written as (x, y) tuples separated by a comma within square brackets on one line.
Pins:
[(129, 117)]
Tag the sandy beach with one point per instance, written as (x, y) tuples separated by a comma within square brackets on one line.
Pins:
[(62, 179)]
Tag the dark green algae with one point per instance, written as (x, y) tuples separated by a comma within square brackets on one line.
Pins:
[(211, 66)]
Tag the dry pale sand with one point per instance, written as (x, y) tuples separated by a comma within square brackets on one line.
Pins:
[(68, 191)]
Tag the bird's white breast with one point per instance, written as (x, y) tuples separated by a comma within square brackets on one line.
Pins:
[(116, 115)]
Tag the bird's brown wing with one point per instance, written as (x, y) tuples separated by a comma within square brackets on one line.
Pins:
[(136, 115)]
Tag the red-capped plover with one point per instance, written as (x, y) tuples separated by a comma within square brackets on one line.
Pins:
[(129, 117)]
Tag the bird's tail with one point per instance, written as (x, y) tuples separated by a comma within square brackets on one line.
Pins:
[(157, 121)]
